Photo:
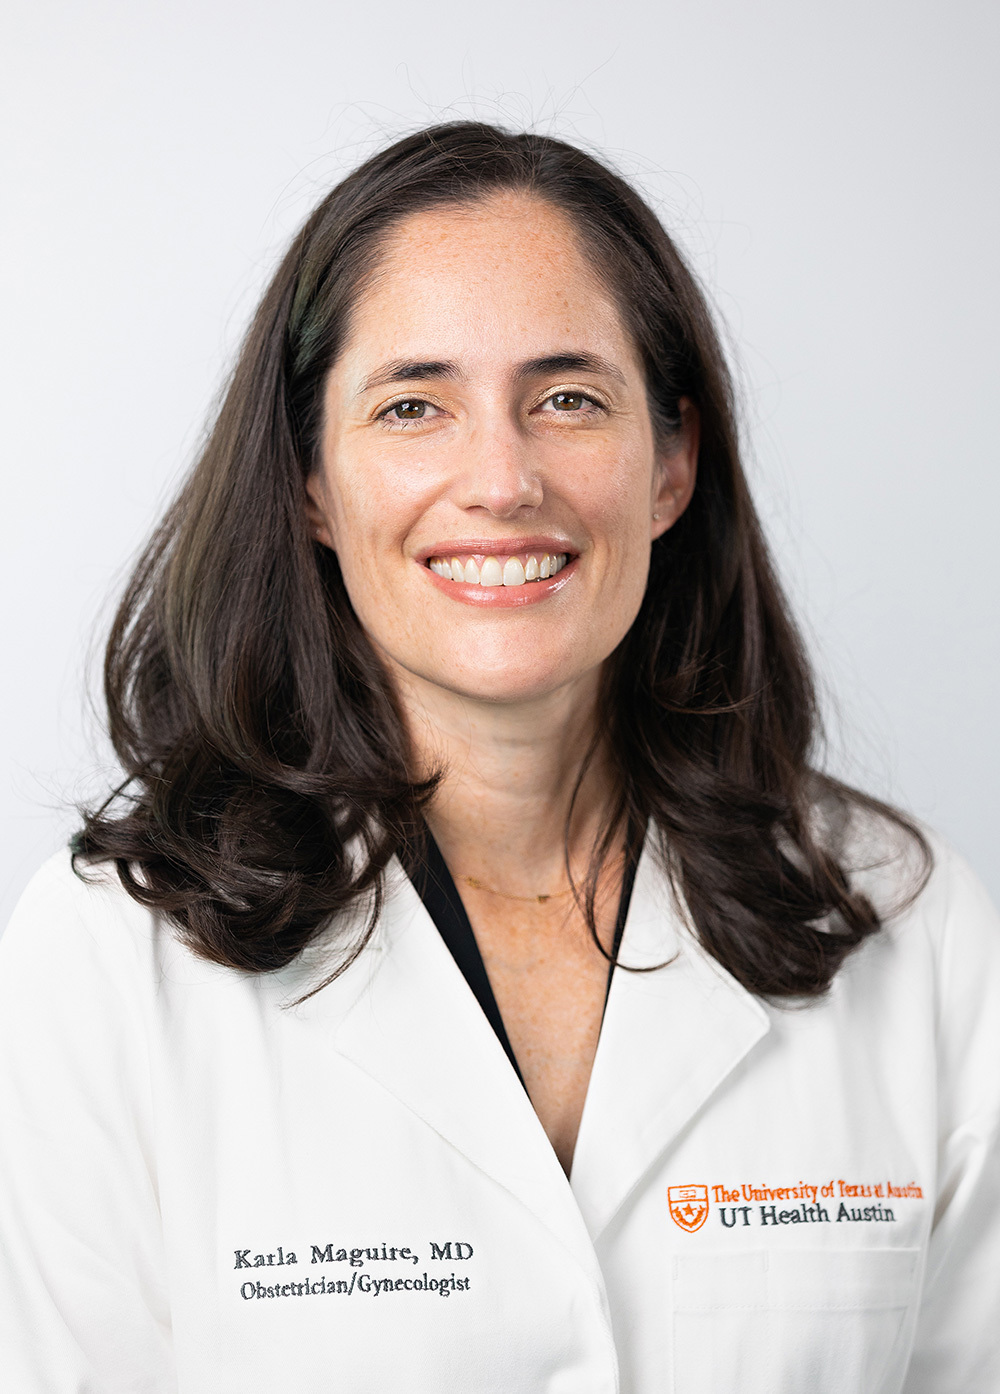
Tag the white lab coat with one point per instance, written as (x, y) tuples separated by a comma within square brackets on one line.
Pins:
[(207, 1190)]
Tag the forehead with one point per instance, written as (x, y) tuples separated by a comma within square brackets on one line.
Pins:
[(509, 273)]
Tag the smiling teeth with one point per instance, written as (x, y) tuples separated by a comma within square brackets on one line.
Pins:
[(491, 574), (511, 572)]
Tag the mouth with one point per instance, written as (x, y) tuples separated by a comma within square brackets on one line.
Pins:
[(495, 569)]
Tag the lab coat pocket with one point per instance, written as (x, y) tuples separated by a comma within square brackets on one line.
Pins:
[(826, 1321)]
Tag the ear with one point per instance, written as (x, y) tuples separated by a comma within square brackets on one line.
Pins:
[(316, 513), (676, 472)]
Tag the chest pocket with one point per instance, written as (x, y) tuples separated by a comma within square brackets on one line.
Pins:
[(798, 1322)]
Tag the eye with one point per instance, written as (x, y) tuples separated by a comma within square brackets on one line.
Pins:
[(571, 403), (408, 409)]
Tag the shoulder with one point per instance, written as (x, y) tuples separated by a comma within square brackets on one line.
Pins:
[(958, 914), (934, 893), (75, 911), (78, 957), (936, 959), (78, 938), (939, 945), (78, 944), (916, 883), (960, 923)]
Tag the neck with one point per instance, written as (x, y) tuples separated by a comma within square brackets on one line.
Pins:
[(509, 772)]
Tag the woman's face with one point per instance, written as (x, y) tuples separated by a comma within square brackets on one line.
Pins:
[(489, 478)]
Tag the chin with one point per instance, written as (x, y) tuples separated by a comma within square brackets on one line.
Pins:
[(505, 683), (503, 691)]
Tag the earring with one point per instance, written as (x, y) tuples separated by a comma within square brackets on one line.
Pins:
[(656, 515)]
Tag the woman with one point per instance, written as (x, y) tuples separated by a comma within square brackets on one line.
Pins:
[(470, 923)]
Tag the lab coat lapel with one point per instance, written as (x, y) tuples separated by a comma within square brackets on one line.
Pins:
[(669, 1040), (420, 1033)]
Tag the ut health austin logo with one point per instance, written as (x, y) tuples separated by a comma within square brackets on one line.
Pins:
[(688, 1206)]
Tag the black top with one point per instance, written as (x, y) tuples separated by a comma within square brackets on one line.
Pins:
[(436, 887)]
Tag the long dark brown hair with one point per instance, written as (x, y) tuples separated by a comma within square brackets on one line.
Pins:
[(266, 782)]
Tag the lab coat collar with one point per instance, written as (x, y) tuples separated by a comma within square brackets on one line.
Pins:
[(419, 1032), (670, 1038)]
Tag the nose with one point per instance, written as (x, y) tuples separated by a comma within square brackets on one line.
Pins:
[(500, 472)]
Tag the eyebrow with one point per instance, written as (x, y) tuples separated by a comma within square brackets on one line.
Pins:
[(409, 370), (420, 370), (568, 363)]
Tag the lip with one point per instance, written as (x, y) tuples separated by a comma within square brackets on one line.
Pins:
[(501, 597), (493, 546)]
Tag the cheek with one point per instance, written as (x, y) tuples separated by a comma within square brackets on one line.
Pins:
[(372, 508), (369, 507), (613, 498), (619, 512)]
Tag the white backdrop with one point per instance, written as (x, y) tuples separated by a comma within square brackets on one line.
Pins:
[(830, 168)]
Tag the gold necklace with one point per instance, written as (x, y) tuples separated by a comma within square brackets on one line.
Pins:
[(478, 885)]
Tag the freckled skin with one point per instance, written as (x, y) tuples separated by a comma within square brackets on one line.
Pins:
[(505, 698), (459, 287)]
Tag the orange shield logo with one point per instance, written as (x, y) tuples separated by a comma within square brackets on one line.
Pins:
[(688, 1206)]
